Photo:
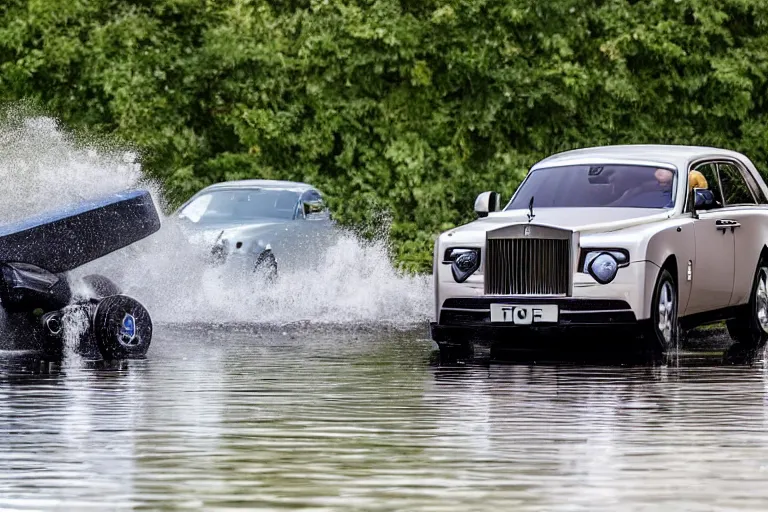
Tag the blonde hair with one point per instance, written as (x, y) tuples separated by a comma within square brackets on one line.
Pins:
[(697, 180)]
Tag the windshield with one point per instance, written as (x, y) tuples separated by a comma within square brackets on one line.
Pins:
[(587, 186), (241, 205)]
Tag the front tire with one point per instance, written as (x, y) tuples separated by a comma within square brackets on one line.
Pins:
[(663, 331), (266, 265), (122, 328), (750, 328)]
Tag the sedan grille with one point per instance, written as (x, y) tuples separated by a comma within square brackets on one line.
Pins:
[(527, 266)]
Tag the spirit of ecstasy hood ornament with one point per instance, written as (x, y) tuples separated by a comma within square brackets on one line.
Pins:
[(530, 210)]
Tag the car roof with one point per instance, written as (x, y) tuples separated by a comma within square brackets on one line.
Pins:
[(274, 184), (652, 154)]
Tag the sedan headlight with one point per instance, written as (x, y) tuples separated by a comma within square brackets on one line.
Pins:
[(603, 265), (219, 251), (463, 260)]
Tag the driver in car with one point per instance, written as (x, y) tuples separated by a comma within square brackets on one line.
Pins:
[(661, 193), (656, 193)]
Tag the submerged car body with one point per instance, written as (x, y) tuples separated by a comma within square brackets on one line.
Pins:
[(654, 236), (258, 223)]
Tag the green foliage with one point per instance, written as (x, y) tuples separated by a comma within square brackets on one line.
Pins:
[(409, 108)]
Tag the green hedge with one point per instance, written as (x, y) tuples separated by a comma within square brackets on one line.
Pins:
[(402, 109)]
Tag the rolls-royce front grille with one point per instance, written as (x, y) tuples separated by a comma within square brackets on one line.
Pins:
[(527, 266)]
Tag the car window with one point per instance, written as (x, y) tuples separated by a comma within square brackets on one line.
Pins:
[(241, 205), (196, 208), (756, 190), (589, 186), (735, 189), (709, 172)]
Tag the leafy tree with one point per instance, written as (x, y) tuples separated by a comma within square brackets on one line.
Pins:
[(398, 106)]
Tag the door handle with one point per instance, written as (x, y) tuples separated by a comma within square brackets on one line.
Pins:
[(725, 224)]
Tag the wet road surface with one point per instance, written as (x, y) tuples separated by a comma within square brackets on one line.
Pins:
[(220, 418)]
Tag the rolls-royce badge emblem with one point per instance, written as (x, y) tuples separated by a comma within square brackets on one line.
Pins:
[(527, 231)]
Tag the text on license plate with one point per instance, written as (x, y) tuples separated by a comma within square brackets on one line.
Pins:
[(524, 314)]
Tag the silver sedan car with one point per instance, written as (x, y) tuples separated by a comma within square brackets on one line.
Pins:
[(260, 225)]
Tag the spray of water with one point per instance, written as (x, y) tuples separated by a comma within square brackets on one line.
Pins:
[(74, 322), (352, 283), (43, 167)]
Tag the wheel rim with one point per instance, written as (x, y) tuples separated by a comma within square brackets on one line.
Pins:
[(761, 299), (666, 321)]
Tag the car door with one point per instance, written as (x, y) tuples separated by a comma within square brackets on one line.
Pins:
[(713, 264), (740, 204), (311, 229)]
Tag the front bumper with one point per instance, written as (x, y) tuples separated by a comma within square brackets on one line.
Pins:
[(470, 318)]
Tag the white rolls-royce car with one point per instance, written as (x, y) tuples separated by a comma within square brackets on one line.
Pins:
[(657, 237)]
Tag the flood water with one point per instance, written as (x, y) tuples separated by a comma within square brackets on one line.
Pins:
[(264, 419)]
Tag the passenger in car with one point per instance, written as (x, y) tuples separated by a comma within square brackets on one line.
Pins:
[(697, 180)]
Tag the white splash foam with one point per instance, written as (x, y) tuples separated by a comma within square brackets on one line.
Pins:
[(353, 283), (43, 168), (74, 322)]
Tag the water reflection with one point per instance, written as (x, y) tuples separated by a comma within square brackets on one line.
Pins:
[(218, 418), (609, 437)]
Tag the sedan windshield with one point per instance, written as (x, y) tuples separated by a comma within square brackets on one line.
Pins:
[(241, 205), (587, 186)]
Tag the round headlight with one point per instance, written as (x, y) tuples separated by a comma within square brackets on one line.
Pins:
[(467, 261), (603, 268), (464, 262)]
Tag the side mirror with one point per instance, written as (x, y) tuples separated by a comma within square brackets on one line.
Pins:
[(315, 210), (703, 199), (487, 202)]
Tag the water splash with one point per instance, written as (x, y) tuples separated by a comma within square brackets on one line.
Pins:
[(352, 282), (42, 168), (355, 283), (74, 322)]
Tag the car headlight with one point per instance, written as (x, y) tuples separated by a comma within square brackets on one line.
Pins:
[(463, 260), (219, 251), (603, 265)]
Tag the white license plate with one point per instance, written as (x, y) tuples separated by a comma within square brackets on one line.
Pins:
[(524, 314)]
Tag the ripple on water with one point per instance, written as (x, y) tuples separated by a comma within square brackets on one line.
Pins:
[(362, 421)]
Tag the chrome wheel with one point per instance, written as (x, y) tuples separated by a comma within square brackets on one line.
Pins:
[(749, 328), (761, 299), (666, 322)]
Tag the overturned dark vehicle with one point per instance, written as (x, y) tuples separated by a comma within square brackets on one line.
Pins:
[(36, 293)]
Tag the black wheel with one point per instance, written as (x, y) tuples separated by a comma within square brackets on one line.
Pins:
[(266, 265), (51, 333), (101, 286), (663, 331), (750, 328), (122, 328)]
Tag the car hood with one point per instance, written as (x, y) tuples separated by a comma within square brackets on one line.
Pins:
[(584, 220), (210, 233)]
